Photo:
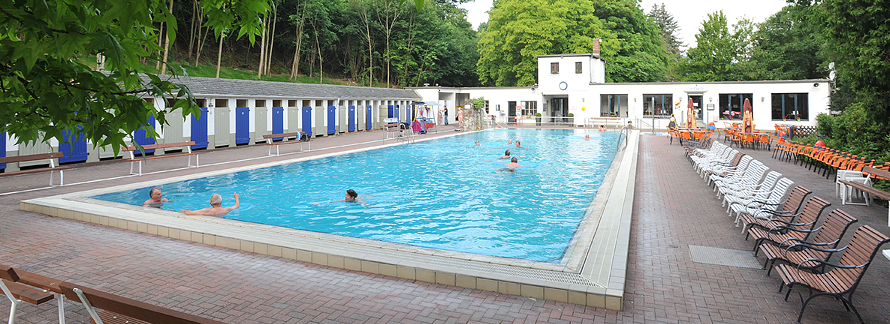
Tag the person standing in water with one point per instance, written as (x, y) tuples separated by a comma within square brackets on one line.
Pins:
[(351, 196), (216, 208), (156, 199), (513, 165)]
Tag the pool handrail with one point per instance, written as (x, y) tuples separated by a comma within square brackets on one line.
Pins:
[(621, 133)]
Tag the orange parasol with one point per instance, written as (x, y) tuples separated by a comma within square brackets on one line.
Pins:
[(747, 117), (690, 115)]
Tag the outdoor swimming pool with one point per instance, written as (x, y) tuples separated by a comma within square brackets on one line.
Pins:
[(445, 194)]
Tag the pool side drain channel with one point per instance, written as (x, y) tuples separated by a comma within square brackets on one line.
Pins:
[(725, 257)]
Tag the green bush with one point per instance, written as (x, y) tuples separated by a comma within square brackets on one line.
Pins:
[(537, 114), (571, 115)]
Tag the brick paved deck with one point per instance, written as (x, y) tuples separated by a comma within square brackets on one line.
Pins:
[(672, 209)]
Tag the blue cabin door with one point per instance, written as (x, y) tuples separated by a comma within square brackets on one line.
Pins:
[(307, 120), (141, 136), (74, 147), (332, 120), (242, 125), (3, 149), (389, 112), (351, 118), (369, 118), (277, 121), (408, 114), (199, 129)]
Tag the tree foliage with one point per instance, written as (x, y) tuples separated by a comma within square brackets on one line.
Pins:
[(712, 57), (519, 30), (856, 36), (46, 88), (785, 47), (668, 30), (636, 50)]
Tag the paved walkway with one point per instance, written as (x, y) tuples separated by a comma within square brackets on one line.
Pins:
[(673, 210)]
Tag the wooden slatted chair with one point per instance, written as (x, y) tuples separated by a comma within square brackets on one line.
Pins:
[(117, 309), (843, 278), (789, 209), (779, 231), (819, 247)]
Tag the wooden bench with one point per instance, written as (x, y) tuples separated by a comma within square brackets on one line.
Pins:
[(36, 157), (286, 136), (117, 309), (186, 151), (866, 189), (22, 286), (593, 121)]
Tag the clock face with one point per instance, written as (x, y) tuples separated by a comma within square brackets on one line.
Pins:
[(563, 85)]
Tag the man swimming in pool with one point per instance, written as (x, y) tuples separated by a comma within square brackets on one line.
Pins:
[(351, 196), (156, 199), (506, 155), (512, 165), (216, 208)]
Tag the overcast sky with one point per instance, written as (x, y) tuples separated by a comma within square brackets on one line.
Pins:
[(688, 15)]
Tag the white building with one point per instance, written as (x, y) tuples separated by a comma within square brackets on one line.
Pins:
[(575, 84)]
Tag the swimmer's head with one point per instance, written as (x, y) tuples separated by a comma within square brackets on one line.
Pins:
[(514, 160), (215, 199), (507, 153), (351, 193)]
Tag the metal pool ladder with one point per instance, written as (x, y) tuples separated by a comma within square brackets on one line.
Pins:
[(623, 133)]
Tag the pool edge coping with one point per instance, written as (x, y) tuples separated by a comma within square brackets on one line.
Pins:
[(604, 266)]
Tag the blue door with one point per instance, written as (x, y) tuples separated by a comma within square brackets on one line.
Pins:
[(242, 125), (141, 136), (332, 120), (351, 118), (390, 113), (277, 121), (408, 114), (307, 120), (3, 149), (74, 147), (199, 129), (369, 117)]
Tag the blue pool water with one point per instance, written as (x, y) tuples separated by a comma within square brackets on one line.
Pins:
[(445, 193)]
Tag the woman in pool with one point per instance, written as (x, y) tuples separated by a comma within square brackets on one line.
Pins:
[(351, 196)]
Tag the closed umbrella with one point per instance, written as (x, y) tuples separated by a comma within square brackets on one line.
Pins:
[(690, 115), (747, 118)]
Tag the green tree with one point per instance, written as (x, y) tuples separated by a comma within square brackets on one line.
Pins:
[(856, 36), (785, 47), (520, 30), (47, 86), (636, 50), (668, 30), (712, 57)]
